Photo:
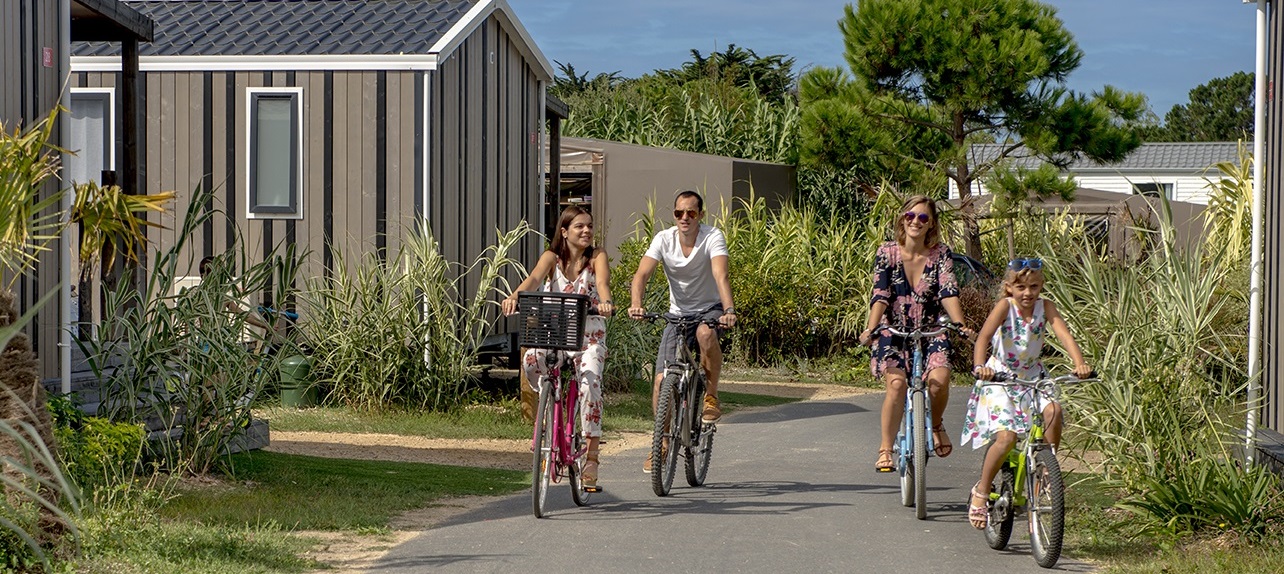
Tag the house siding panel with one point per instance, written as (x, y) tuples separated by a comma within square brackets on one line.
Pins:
[(27, 93)]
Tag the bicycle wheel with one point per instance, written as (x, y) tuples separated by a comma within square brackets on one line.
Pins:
[(664, 446), (1046, 509), (903, 465), (542, 465), (697, 459), (998, 529), (920, 456), (576, 427)]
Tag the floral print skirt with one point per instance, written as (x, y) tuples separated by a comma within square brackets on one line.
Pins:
[(991, 409)]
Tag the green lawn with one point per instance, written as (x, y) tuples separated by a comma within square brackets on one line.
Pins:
[(273, 490)]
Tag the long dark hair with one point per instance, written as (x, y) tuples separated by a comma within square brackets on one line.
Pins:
[(559, 247)]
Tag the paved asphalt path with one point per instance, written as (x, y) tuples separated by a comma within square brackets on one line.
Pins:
[(790, 489)]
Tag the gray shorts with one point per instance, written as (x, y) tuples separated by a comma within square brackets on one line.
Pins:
[(671, 337)]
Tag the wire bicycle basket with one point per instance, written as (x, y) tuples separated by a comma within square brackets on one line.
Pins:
[(552, 320)]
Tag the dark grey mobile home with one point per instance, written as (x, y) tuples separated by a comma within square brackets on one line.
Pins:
[(331, 124)]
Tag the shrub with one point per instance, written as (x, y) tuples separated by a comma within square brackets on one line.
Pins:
[(97, 452)]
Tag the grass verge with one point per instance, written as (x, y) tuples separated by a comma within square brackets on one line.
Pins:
[(629, 412), (289, 492), (1097, 531)]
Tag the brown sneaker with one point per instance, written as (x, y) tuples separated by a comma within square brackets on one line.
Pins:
[(711, 411), (646, 466)]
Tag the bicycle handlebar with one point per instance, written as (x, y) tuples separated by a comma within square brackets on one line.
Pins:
[(1008, 380), (680, 320), (920, 333)]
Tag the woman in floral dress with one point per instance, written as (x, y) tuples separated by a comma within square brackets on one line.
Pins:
[(913, 284), (573, 265)]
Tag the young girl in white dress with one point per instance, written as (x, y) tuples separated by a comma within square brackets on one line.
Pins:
[(1011, 341), (573, 265)]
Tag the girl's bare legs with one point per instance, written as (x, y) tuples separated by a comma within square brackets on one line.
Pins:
[(1003, 442), (1052, 424), (893, 410)]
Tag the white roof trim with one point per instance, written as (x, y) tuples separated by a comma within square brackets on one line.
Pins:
[(476, 16), (337, 62)]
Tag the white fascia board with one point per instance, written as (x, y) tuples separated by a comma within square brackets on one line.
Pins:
[(225, 63), (504, 13)]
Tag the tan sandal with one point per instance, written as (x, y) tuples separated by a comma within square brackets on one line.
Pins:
[(588, 474), (978, 515), (884, 462), (942, 448)]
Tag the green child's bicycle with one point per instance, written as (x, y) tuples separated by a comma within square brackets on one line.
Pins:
[(1030, 479)]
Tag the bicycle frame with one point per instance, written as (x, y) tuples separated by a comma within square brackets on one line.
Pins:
[(1031, 479), (681, 424), (915, 443), (558, 409)]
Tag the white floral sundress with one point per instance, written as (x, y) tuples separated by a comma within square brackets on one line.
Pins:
[(1014, 349), (590, 360)]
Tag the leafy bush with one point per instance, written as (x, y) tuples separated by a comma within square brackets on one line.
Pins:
[(97, 452), (401, 332)]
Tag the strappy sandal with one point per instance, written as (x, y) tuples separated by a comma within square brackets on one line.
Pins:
[(588, 474), (979, 516), (943, 447), (884, 462)]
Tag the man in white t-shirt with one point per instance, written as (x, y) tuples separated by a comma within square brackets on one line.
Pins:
[(695, 263)]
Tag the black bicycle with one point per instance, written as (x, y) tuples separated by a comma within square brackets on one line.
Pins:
[(678, 419)]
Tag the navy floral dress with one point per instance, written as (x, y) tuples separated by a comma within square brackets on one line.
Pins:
[(911, 307)]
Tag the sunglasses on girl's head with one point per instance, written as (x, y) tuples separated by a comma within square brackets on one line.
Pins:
[(922, 217), (1022, 263), (678, 213)]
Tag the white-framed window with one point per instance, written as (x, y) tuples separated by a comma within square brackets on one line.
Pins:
[(274, 153), (1153, 189), (93, 134)]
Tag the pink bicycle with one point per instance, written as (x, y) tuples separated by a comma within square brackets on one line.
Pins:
[(554, 322)]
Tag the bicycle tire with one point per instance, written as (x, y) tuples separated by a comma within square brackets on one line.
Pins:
[(998, 529), (903, 466), (664, 461), (701, 450), (1047, 510), (542, 464), (577, 441), (920, 455)]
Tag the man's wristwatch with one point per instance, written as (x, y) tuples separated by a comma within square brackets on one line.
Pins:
[(729, 311)]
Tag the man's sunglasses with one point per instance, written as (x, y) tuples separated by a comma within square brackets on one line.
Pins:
[(923, 218), (1022, 263), (678, 213)]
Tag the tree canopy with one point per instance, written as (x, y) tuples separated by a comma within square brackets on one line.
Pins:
[(1220, 110), (932, 77)]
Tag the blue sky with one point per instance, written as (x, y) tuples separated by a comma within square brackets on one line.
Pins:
[(1162, 48)]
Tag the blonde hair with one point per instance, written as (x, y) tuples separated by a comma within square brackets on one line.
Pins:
[(1025, 275), (933, 233)]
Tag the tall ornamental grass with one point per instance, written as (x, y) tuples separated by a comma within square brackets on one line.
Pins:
[(403, 332), (1166, 334), (690, 118), (790, 271), (185, 361)]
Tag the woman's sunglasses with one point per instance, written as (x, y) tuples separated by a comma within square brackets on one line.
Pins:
[(923, 218), (1022, 263), (678, 213)]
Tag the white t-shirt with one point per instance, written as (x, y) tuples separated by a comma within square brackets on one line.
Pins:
[(691, 285)]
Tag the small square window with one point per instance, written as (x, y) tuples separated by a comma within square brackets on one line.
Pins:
[(275, 171), (1153, 189)]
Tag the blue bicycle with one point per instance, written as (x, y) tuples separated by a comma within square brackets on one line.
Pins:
[(914, 440)]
